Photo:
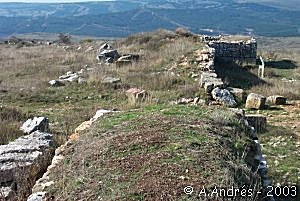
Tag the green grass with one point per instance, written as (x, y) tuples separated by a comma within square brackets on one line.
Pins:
[(279, 144), (148, 154)]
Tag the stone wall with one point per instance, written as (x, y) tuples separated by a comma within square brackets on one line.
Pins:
[(22, 162), (240, 49)]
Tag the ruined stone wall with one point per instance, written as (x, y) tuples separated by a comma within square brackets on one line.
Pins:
[(242, 50)]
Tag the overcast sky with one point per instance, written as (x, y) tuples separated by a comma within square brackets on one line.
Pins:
[(47, 1)]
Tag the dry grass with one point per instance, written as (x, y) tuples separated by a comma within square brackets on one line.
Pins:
[(25, 72), (10, 121)]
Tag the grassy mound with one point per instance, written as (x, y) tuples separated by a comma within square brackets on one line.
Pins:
[(153, 154)]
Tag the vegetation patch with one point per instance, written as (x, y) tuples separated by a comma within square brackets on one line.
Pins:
[(149, 154)]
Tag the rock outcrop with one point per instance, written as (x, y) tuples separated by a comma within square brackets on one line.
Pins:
[(22, 162)]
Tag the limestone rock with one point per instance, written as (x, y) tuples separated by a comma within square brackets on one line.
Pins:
[(23, 160), (105, 46), (223, 96), (7, 193), (276, 100), (81, 80), (130, 57), (210, 81), (136, 95), (210, 85), (39, 196), (99, 114), (108, 53), (56, 83), (255, 101), (259, 122), (238, 93), (111, 80), (37, 123)]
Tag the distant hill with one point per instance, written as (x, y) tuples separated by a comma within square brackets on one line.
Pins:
[(123, 17)]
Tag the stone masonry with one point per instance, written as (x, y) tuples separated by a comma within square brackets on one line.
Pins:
[(240, 49)]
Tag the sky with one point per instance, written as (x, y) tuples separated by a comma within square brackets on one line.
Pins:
[(48, 1)]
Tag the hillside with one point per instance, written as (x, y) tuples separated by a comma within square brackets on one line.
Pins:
[(171, 135), (122, 18)]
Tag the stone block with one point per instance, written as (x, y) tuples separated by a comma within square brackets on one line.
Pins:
[(255, 101), (238, 93), (276, 100), (136, 95), (259, 122)]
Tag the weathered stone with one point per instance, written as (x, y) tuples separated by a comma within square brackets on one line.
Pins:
[(223, 96), (210, 85), (99, 114), (39, 196), (276, 100), (131, 57), (37, 123), (238, 93), (259, 122), (255, 101), (72, 78), (7, 194), (105, 46), (111, 80), (109, 60), (109, 53), (136, 95), (23, 160), (56, 83), (81, 80)]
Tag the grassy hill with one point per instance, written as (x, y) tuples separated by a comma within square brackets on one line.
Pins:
[(149, 150)]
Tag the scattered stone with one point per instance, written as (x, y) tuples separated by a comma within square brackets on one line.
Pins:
[(255, 101), (184, 101), (81, 80), (223, 96), (111, 80), (108, 53), (276, 100), (105, 46), (136, 95), (39, 196), (238, 93), (259, 122), (56, 83), (99, 114), (35, 124), (72, 78), (131, 57)]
